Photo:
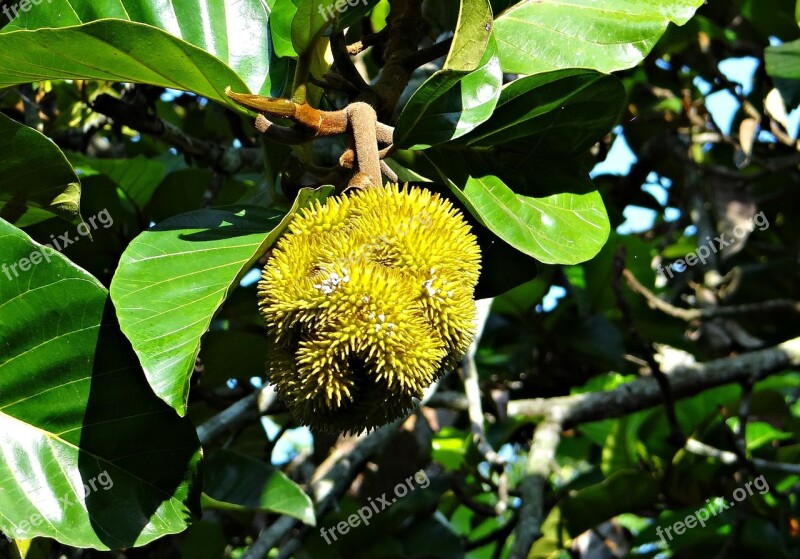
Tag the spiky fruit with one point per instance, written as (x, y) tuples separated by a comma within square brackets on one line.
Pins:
[(368, 299)]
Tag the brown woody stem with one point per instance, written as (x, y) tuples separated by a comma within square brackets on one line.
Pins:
[(363, 125)]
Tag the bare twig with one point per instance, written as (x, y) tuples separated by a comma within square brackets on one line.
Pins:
[(368, 41), (344, 64), (469, 376), (727, 457), (689, 315), (642, 393), (676, 433), (332, 478), (428, 54), (451, 400)]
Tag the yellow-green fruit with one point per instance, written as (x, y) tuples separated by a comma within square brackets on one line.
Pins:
[(368, 299)]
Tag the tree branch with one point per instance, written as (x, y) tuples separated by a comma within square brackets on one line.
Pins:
[(657, 303), (469, 376), (537, 471), (237, 413), (726, 457), (686, 380), (405, 33), (226, 160), (676, 433)]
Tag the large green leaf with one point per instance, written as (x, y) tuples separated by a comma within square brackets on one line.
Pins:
[(310, 20), (280, 24), (558, 113), (173, 278), (36, 180), (559, 229), (238, 482), (535, 36), (450, 104), (77, 413), (234, 32), (117, 51)]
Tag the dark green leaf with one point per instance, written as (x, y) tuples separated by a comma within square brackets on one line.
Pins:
[(280, 23), (450, 104), (114, 50), (562, 113), (235, 481), (311, 19), (625, 491), (783, 66), (36, 180), (75, 413), (138, 177), (218, 347)]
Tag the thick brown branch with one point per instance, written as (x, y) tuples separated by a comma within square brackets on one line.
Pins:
[(428, 54), (537, 471), (363, 120)]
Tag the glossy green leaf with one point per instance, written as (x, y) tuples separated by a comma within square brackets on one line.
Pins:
[(280, 23), (235, 33), (607, 35), (760, 433), (173, 278), (238, 482), (450, 104), (311, 19), (557, 113), (117, 51), (36, 180), (88, 455), (559, 229), (472, 35)]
